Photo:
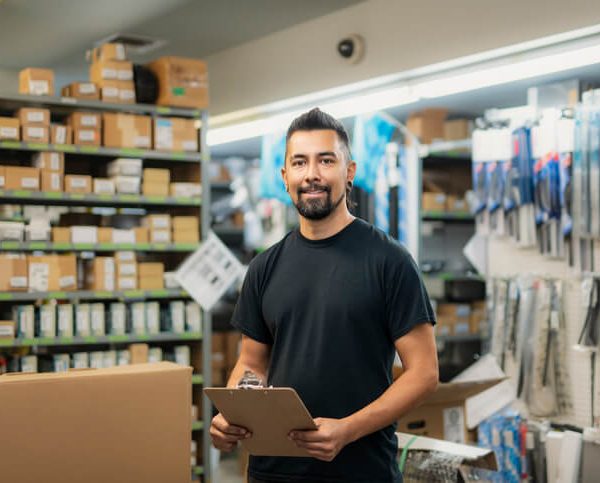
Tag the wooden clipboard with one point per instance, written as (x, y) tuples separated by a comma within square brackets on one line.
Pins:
[(268, 413)]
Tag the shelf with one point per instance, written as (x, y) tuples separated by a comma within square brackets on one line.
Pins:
[(459, 338), (197, 426), (447, 216), (59, 198), (197, 379), (103, 151), (106, 339), (69, 104), (93, 295), (447, 149), (96, 247)]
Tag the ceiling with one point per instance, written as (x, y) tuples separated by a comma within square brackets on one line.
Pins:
[(57, 33)]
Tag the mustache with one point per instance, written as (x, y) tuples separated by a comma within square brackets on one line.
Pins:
[(314, 187)]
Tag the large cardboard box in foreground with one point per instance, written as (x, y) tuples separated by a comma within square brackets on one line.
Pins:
[(125, 424)]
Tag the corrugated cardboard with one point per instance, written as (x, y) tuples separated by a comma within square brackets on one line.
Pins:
[(109, 91), (160, 236), (81, 90), (442, 415), (13, 273), (153, 188), (103, 70), (35, 133), (157, 175), (105, 234), (126, 92), (189, 236), (87, 136), (51, 181), (185, 190), (100, 274), (141, 234), (22, 178), (433, 202), (104, 186), (127, 130), (151, 276), (109, 51), (34, 116), (68, 272), (456, 204), (44, 273), (138, 353), (78, 183), (49, 161), (175, 134), (85, 120), (61, 234), (182, 82), (9, 129), (39, 82), (186, 223), (129, 424), (2, 177), (457, 129), (427, 125), (60, 134)]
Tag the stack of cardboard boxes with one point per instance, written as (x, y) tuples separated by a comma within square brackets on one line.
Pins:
[(127, 130), (38, 82), (225, 352), (431, 125), (35, 124), (52, 170), (159, 227), (124, 272), (112, 73), (87, 128), (47, 273), (460, 319)]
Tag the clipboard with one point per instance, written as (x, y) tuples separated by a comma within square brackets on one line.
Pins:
[(268, 413)]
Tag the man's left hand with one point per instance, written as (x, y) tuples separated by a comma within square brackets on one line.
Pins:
[(325, 442)]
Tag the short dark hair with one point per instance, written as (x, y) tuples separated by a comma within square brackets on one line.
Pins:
[(315, 120)]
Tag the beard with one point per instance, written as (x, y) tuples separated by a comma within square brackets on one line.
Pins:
[(316, 209)]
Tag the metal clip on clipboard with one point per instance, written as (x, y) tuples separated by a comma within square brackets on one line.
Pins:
[(250, 381)]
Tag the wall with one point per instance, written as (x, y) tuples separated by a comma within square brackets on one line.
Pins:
[(400, 35), (9, 81)]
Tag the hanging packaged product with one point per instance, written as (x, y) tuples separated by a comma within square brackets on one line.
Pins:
[(82, 320), (65, 320)]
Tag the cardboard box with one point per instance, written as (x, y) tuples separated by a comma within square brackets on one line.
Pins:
[(51, 181), (175, 134), (185, 190), (433, 202), (60, 134), (457, 129), (442, 415), (127, 283), (126, 92), (456, 204), (68, 272), (186, 237), (125, 167), (43, 273), (105, 234), (123, 235), (109, 91), (157, 222), (7, 329), (84, 234), (104, 70), (111, 447), (109, 51), (13, 273), (81, 90), (458, 315), (100, 274), (127, 184), (50, 161), (182, 82), (21, 178), (150, 283), (141, 234), (427, 125), (34, 116), (477, 317), (150, 188), (87, 136), (138, 353), (104, 186), (85, 120), (39, 82), (35, 134), (127, 130), (126, 268), (160, 236), (9, 129), (78, 183), (155, 175), (186, 223), (151, 269), (61, 234)]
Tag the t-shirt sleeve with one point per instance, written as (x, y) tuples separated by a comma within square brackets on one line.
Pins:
[(247, 316), (407, 301)]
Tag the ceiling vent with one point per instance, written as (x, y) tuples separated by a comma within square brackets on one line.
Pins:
[(137, 44)]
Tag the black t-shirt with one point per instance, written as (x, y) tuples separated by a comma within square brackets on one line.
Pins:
[(331, 309)]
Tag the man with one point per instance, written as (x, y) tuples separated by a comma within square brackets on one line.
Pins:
[(323, 311)]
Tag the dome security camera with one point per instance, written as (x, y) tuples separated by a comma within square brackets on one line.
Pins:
[(351, 48)]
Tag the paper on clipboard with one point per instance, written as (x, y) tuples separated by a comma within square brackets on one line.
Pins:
[(208, 272), (268, 413)]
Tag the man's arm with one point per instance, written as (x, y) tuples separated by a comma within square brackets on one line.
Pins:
[(418, 353), (254, 356)]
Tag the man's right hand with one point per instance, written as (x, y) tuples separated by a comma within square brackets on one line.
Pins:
[(224, 435)]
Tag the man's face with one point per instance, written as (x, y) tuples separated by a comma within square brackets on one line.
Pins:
[(316, 172)]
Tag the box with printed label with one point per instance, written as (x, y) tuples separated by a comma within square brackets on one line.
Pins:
[(83, 320), (126, 92), (428, 124), (104, 186), (433, 202), (109, 51), (68, 272), (123, 358), (126, 283), (127, 184), (34, 116), (11, 230), (182, 82), (123, 235), (126, 268), (9, 129), (456, 204), (81, 90), (125, 167), (96, 360), (61, 362), (101, 274), (87, 136), (127, 130), (175, 134), (104, 70), (61, 234), (44, 273), (97, 320), (85, 120), (21, 178), (84, 234), (157, 222), (46, 321), (13, 273), (7, 329), (60, 134), (117, 319), (110, 359), (141, 234), (457, 129), (24, 316), (65, 325), (160, 236), (185, 190), (51, 181), (109, 91), (78, 183), (155, 354), (138, 318), (35, 134), (49, 161), (104, 234), (39, 82)]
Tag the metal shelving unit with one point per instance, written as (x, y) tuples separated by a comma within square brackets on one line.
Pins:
[(60, 107)]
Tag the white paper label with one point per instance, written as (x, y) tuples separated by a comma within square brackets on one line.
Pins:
[(104, 186), (127, 269), (39, 274), (454, 424), (126, 283), (125, 256), (125, 74), (142, 141), (87, 135), (6, 331), (190, 145), (160, 222), (60, 137), (89, 121), (9, 132), (163, 236), (164, 137), (87, 88), (18, 282), (78, 182), (109, 73), (123, 236), (39, 87), (67, 281), (35, 132), (110, 92), (2, 181), (55, 181), (35, 116), (29, 183), (126, 94)]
